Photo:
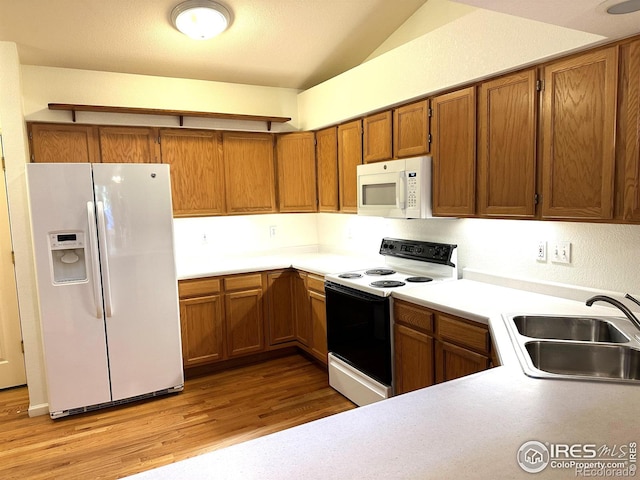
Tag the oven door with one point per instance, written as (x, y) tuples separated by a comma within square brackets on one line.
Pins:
[(359, 330)]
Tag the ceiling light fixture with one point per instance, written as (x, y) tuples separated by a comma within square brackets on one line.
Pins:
[(200, 19), (629, 6)]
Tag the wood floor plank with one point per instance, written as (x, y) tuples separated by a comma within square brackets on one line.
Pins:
[(213, 412)]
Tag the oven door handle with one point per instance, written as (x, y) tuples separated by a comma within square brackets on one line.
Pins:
[(340, 289)]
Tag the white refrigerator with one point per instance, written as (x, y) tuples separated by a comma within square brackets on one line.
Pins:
[(106, 278)]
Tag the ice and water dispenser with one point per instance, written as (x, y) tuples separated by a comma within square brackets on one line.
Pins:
[(67, 257)]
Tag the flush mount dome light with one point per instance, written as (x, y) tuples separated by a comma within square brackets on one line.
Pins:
[(629, 6), (200, 19)]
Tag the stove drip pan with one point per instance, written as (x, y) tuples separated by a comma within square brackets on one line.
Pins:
[(418, 279), (380, 271), (350, 275)]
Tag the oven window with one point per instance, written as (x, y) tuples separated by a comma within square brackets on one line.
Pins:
[(379, 194), (359, 331)]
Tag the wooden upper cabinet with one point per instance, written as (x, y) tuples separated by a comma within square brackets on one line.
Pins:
[(349, 157), (128, 145), (56, 143), (378, 136), (197, 174), (629, 131), (507, 116), (327, 163), (453, 127), (249, 172), (578, 136), (411, 130), (296, 162)]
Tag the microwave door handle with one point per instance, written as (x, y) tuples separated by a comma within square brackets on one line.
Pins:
[(401, 192)]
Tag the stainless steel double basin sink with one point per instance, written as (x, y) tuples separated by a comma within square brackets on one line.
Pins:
[(576, 347)]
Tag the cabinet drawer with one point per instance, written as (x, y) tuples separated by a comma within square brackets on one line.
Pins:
[(315, 283), (413, 316), (243, 282), (463, 333), (198, 287)]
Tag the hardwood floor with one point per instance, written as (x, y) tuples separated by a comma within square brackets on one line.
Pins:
[(214, 411)]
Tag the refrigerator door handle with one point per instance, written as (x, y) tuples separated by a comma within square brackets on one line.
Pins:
[(102, 239), (95, 262)]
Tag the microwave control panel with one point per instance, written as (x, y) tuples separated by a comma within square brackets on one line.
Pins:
[(412, 189)]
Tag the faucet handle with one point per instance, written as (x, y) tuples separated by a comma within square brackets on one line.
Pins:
[(634, 300)]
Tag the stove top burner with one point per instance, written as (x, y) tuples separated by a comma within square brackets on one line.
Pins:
[(418, 279), (350, 275), (380, 271), (387, 283)]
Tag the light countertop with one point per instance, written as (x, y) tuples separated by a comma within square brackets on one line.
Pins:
[(471, 427)]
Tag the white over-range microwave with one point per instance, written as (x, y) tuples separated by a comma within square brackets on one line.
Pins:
[(395, 188)]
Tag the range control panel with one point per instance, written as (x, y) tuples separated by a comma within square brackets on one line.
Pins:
[(416, 250)]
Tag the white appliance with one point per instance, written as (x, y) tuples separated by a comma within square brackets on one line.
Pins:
[(360, 314), (106, 277), (395, 188)]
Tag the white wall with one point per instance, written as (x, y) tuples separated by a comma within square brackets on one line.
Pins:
[(44, 85), (15, 149), (603, 256), (472, 47)]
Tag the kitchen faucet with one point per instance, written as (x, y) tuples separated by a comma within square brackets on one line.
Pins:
[(628, 313)]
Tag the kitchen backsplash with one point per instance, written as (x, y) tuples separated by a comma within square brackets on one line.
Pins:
[(602, 256)]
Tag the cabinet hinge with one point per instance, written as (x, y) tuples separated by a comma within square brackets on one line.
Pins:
[(539, 85), (13, 257), (33, 157), (536, 199), (22, 345), (158, 139), (429, 138), (430, 112), (4, 167), (30, 135)]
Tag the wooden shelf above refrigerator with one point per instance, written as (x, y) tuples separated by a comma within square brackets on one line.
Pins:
[(158, 111)]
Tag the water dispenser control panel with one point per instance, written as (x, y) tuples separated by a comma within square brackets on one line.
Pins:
[(67, 257)]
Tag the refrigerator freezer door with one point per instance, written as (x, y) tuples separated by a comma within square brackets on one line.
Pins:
[(73, 335), (142, 312)]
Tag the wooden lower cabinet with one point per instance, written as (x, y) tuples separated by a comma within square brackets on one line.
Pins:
[(434, 347), (454, 362), (318, 315), (201, 321), (280, 307), (302, 313), (244, 314), (414, 355)]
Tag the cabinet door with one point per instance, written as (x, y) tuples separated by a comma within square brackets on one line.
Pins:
[(244, 322), (128, 145), (55, 143), (201, 321), (578, 118), (318, 325), (629, 128), (454, 362), (507, 146), (302, 309), (297, 172), (349, 157), (280, 307), (327, 159), (249, 172), (197, 181), (411, 130), (454, 153), (414, 359), (377, 137)]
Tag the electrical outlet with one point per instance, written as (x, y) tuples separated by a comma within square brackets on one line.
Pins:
[(561, 252), (541, 253), (272, 230)]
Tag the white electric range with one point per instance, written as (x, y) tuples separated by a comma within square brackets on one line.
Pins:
[(359, 314)]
